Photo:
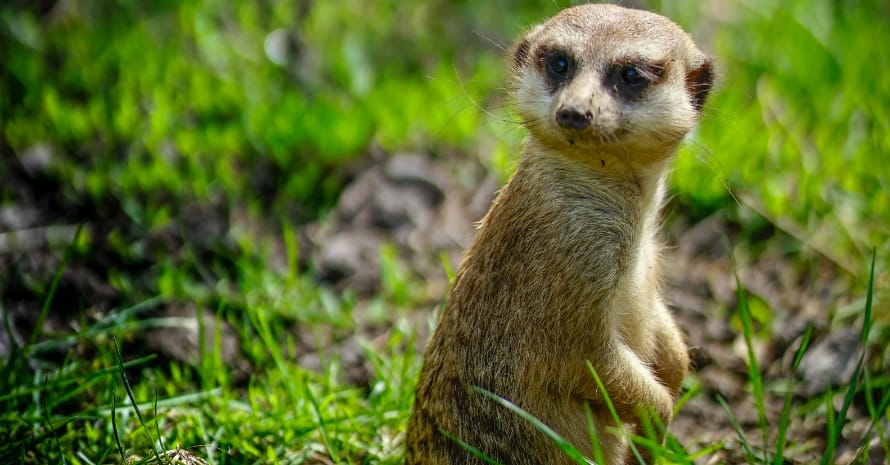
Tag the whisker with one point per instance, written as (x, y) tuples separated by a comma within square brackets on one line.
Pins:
[(464, 90), (491, 41)]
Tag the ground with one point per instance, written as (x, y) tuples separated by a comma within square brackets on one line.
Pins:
[(422, 209)]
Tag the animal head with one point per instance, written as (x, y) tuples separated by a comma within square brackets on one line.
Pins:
[(604, 77)]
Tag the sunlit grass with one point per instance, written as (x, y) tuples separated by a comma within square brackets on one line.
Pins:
[(765, 452), (796, 129), (180, 105), (108, 406)]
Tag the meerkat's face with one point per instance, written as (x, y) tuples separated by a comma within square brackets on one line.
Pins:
[(607, 77)]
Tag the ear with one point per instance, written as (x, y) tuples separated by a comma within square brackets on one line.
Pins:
[(699, 82), (520, 53), (523, 48)]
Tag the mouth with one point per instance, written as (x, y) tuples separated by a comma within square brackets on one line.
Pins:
[(590, 136)]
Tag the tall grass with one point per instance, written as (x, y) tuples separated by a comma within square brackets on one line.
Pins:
[(858, 384)]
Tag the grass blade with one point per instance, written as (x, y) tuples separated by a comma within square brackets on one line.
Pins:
[(52, 429), (876, 422), (594, 435), (754, 374), (132, 398), (117, 438), (785, 417), (612, 411), (834, 437), (869, 294), (875, 413), (564, 445), (157, 425), (476, 452), (686, 397), (749, 454), (322, 426)]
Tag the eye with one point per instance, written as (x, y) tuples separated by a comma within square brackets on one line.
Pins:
[(558, 67), (632, 76), (631, 79), (557, 64)]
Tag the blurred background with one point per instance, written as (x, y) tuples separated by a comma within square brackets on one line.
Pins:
[(270, 168)]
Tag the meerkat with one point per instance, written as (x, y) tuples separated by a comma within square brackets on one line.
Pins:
[(564, 270)]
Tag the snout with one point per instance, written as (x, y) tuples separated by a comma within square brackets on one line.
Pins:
[(571, 117)]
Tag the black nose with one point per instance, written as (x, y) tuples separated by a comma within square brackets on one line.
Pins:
[(573, 118)]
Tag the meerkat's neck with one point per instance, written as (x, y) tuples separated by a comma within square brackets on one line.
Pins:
[(645, 181), (653, 186)]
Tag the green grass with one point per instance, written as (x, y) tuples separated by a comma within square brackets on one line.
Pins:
[(180, 106), (859, 384), (106, 406), (808, 80)]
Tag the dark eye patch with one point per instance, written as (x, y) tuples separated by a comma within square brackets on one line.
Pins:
[(631, 79), (557, 66)]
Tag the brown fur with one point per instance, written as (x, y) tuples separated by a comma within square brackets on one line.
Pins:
[(564, 269)]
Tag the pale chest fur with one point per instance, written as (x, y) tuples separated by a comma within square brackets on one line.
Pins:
[(637, 304)]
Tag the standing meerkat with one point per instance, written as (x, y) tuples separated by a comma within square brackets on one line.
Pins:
[(565, 266)]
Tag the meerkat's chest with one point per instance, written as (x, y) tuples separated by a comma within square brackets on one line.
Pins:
[(637, 304)]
